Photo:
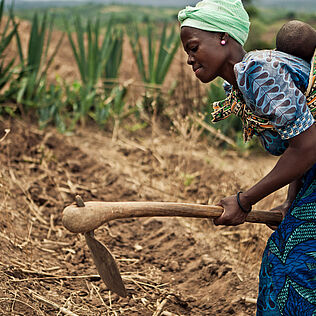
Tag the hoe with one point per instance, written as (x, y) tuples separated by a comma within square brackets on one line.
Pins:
[(84, 218)]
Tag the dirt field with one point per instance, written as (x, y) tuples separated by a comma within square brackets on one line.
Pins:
[(170, 266), (200, 269)]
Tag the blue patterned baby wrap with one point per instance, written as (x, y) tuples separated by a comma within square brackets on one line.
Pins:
[(288, 271), (272, 85)]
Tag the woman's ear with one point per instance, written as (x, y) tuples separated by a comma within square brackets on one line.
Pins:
[(224, 37)]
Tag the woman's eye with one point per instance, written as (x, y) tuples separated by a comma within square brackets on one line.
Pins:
[(194, 49)]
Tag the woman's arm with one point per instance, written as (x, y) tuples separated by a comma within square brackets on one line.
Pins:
[(293, 190), (296, 160)]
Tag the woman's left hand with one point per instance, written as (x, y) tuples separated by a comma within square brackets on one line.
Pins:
[(283, 208), (232, 214)]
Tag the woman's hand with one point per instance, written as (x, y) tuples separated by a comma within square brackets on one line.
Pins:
[(232, 214), (283, 208)]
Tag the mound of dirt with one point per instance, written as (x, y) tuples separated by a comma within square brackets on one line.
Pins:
[(170, 266)]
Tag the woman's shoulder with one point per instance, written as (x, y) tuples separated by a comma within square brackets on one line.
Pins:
[(270, 67), (271, 59)]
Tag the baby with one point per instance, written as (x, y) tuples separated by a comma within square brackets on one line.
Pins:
[(297, 38)]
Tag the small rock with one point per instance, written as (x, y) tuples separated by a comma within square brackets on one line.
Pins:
[(174, 266), (138, 247), (206, 259)]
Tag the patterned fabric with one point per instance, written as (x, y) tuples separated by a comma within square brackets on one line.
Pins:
[(235, 104), (311, 89), (288, 270), (270, 102), (272, 105)]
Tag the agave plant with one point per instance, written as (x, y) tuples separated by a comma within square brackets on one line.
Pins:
[(111, 68), (31, 78), (96, 58), (5, 39), (161, 50), (92, 58)]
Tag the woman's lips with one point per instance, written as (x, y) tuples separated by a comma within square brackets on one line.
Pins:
[(196, 70)]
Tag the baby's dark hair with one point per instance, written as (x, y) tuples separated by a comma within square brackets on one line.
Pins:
[(297, 38)]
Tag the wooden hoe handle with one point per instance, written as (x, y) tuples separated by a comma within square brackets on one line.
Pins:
[(94, 214)]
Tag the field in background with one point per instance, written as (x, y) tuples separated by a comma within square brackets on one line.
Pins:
[(120, 93)]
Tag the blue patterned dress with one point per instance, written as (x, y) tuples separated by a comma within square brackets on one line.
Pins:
[(271, 83)]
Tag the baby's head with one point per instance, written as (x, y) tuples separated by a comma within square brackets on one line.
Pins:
[(297, 38)]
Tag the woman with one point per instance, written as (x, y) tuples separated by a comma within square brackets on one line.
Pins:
[(267, 93)]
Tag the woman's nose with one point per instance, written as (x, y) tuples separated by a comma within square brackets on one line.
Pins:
[(190, 60)]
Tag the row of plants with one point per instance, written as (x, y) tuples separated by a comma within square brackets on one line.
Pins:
[(98, 95)]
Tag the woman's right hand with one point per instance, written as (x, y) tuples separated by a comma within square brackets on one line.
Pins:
[(232, 214)]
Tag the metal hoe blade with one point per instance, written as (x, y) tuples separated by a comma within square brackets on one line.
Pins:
[(104, 261)]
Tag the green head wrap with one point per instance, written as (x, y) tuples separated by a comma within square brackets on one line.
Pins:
[(227, 16)]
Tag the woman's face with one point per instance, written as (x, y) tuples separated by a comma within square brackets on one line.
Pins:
[(206, 55)]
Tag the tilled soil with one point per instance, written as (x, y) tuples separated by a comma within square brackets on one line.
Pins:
[(170, 266)]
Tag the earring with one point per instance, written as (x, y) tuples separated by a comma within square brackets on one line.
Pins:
[(223, 42)]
